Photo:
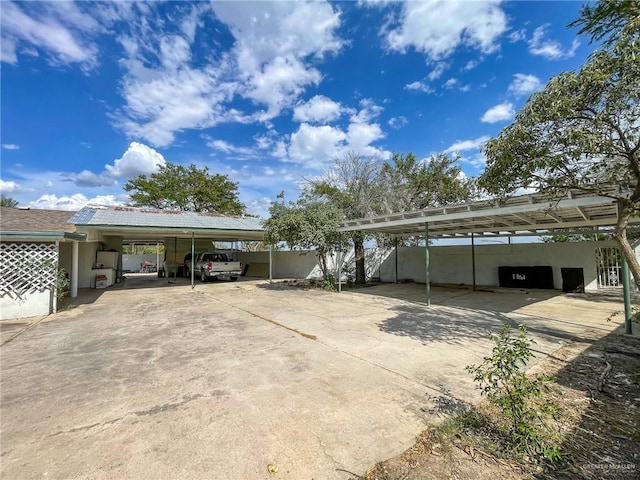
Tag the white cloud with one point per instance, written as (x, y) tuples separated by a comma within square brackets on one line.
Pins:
[(274, 43), (318, 109), (398, 122), (8, 51), (478, 161), (464, 145), (550, 49), (420, 86), (470, 65), (10, 146), (9, 186), (368, 111), (439, 27), (242, 153), (271, 63), (315, 145), (452, 82), (360, 136), (437, 72), (139, 159), (73, 202), (499, 113), (87, 178), (524, 84), (55, 29), (517, 35), (161, 102)]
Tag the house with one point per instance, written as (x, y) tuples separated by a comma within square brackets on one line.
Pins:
[(34, 245)]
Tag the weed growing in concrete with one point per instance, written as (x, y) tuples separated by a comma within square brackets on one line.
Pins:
[(520, 399)]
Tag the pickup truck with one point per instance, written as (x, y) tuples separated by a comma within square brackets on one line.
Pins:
[(217, 266)]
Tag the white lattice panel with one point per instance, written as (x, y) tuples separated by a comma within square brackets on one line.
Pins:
[(27, 268)]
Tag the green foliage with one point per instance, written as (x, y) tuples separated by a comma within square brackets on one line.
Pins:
[(576, 237), (176, 187), (133, 249), (352, 187), (519, 398), (413, 184), (8, 202), (609, 20), (581, 132), (62, 285), (306, 224)]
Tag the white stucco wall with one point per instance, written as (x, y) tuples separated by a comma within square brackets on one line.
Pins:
[(131, 262), (86, 260), (452, 264), (29, 305), (289, 264), (449, 264)]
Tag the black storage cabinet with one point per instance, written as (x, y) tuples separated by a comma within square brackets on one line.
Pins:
[(572, 280), (526, 277)]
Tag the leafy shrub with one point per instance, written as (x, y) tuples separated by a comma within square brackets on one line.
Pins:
[(62, 286), (519, 398)]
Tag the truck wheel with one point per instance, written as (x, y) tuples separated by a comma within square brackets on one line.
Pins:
[(203, 276), (233, 279), (187, 273)]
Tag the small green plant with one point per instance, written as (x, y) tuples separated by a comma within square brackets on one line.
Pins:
[(519, 398), (62, 285)]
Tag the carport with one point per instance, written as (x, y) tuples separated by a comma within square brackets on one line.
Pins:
[(113, 226), (527, 215)]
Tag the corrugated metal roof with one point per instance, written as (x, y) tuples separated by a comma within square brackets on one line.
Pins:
[(135, 217), (529, 214)]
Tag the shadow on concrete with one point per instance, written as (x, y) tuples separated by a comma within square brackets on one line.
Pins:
[(605, 443), (455, 326), (499, 299)]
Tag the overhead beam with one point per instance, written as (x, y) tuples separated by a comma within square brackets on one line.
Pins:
[(582, 213), (436, 215)]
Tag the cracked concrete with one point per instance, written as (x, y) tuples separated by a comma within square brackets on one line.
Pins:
[(140, 381)]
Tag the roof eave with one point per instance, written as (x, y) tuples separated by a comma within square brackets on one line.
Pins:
[(42, 236)]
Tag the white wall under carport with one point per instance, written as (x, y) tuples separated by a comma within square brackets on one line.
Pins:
[(448, 264), (452, 264)]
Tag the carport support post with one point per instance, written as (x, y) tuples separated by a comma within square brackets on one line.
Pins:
[(55, 285), (627, 296), (473, 262), (426, 262), (74, 269), (339, 258), (270, 263), (396, 259), (193, 253)]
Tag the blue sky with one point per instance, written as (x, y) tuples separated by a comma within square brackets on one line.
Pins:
[(265, 92)]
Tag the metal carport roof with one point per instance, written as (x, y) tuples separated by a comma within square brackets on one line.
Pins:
[(135, 223), (533, 214)]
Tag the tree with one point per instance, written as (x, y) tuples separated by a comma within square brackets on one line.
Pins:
[(413, 184), (581, 132), (306, 224), (8, 202), (176, 187), (610, 20), (353, 187), (575, 237)]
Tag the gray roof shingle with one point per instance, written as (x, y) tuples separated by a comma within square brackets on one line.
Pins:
[(35, 220)]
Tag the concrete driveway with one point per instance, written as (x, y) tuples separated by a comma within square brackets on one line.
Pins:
[(221, 381)]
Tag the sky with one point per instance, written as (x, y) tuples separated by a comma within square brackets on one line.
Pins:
[(268, 93)]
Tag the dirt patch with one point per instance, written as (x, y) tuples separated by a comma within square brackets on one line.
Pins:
[(598, 390)]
